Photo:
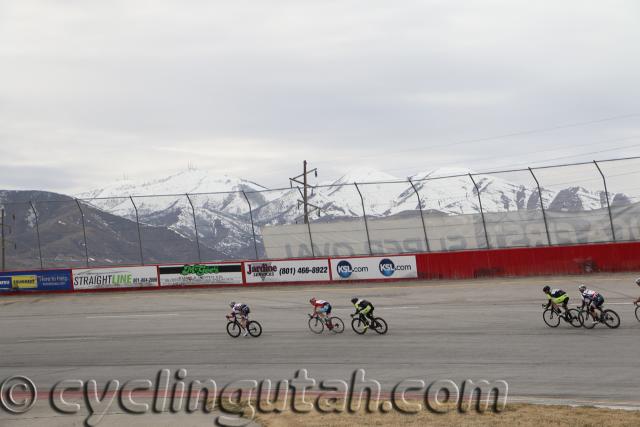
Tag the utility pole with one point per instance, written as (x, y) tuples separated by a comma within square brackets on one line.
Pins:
[(2, 227), (305, 185), (3, 238)]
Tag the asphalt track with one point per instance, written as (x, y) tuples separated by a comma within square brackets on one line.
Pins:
[(484, 329)]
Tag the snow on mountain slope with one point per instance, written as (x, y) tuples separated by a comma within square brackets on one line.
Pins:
[(224, 222)]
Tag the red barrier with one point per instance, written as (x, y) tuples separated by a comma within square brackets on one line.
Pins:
[(539, 261)]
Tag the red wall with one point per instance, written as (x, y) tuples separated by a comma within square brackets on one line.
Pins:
[(530, 261)]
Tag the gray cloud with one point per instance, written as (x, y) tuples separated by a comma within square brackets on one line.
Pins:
[(101, 89)]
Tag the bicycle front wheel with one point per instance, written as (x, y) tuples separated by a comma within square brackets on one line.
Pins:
[(638, 313), (611, 318), (316, 325), (380, 326), (254, 328), (358, 326), (574, 318), (587, 319), (551, 318), (337, 325), (233, 329)]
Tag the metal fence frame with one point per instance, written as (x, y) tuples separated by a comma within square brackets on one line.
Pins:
[(411, 182)]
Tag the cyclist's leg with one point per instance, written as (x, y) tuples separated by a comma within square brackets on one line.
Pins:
[(370, 315)]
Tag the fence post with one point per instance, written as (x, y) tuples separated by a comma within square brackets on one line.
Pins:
[(544, 215), (253, 230), (139, 234), (37, 234), (84, 233), (484, 224), (364, 213), (424, 227), (195, 226), (606, 193), (313, 253)]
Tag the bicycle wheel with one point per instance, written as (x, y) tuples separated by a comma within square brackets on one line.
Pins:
[(587, 319), (574, 318), (611, 318), (551, 318), (358, 326), (254, 328), (380, 325), (316, 325), (234, 329), (638, 313), (337, 325)]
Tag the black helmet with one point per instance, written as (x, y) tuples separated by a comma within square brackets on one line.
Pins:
[(354, 300), (546, 289), (232, 303), (638, 281)]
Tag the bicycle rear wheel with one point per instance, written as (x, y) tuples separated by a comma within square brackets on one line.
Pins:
[(380, 326), (551, 318), (254, 328), (316, 325), (358, 326), (611, 318), (233, 329), (574, 318), (337, 325)]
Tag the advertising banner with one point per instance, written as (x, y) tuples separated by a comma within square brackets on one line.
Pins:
[(46, 280), (389, 267), (115, 278), (201, 274), (312, 270)]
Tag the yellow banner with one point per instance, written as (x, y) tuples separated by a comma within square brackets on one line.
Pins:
[(24, 282)]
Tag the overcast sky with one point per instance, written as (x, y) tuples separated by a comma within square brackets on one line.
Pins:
[(91, 91)]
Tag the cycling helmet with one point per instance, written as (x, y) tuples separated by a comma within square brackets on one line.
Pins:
[(232, 304), (638, 281), (546, 289), (312, 300), (354, 300), (582, 288)]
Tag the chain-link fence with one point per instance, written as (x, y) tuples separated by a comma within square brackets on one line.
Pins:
[(580, 203)]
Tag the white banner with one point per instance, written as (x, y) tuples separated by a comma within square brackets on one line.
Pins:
[(287, 271), (390, 267), (201, 274), (115, 278)]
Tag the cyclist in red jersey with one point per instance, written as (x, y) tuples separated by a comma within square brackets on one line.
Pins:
[(322, 308)]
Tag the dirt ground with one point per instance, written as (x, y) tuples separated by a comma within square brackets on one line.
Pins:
[(513, 415)]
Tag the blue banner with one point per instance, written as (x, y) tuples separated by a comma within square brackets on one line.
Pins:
[(46, 280)]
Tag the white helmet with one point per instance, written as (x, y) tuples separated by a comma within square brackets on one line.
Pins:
[(582, 288), (638, 281)]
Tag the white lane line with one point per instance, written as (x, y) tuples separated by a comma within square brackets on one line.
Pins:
[(131, 316), (399, 308), (60, 339)]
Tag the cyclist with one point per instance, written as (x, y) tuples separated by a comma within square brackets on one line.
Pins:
[(636, 302), (242, 310), (591, 299), (556, 297), (363, 307), (323, 308)]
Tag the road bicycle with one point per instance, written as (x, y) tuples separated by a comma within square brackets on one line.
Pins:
[(552, 316), (333, 323), (608, 317), (234, 327), (360, 324)]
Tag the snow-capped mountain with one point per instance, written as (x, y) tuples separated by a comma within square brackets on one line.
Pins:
[(221, 204)]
